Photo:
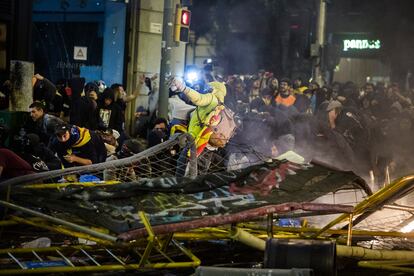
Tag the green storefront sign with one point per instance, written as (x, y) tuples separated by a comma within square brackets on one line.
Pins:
[(361, 44)]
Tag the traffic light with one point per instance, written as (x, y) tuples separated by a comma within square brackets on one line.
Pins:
[(182, 25)]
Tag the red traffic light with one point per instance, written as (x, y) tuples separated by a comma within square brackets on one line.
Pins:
[(182, 25), (185, 17)]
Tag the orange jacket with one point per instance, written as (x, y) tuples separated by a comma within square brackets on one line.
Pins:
[(285, 101)]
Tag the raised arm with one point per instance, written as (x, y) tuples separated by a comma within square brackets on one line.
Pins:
[(195, 97), (135, 93)]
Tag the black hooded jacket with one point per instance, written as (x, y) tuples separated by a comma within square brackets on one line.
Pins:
[(111, 115)]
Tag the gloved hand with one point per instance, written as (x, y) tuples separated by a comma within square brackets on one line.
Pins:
[(176, 84)]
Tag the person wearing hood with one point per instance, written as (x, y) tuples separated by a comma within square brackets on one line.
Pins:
[(110, 112), (43, 89), (88, 106), (159, 132), (38, 155), (205, 105), (78, 108), (205, 114), (350, 124), (142, 122), (264, 102)]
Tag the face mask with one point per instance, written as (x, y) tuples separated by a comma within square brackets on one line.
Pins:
[(161, 133), (124, 152)]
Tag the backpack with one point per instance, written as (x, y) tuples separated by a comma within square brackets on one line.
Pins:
[(222, 124)]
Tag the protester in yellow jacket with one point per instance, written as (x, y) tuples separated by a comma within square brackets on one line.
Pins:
[(203, 118)]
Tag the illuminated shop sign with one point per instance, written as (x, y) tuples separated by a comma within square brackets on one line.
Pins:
[(361, 44)]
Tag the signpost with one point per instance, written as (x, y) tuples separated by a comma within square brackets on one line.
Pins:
[(80, 53), (358, 45)]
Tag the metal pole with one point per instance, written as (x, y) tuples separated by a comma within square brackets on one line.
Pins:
[(193, 168), (321, 22), (248, 239), (270, 225), (349, 238), (320, 41), (132, 62), (71, 225), (166, 48)]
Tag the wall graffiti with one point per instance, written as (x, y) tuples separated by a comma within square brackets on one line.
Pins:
[(176, 200), (263, 182)]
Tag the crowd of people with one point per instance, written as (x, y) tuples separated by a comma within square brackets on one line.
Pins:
[(70, 123), (364, 129)]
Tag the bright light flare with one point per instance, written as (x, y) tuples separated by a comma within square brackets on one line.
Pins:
[(192, 77)]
